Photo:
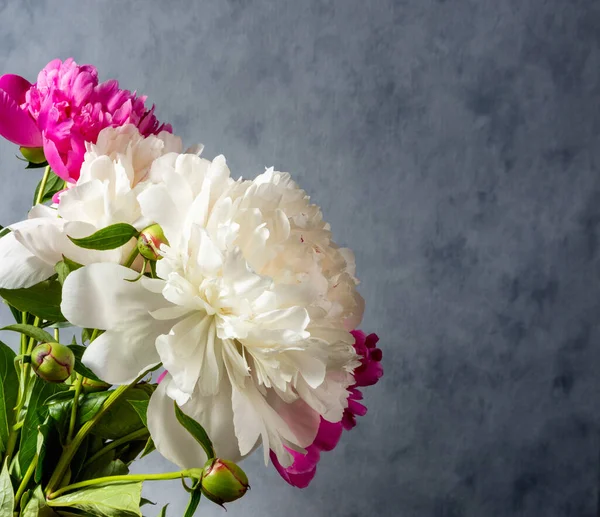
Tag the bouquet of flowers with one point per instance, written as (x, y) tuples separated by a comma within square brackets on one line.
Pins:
[(232, 291)]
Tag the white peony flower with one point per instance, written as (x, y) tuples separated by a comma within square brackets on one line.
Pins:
[(113, 174), (250, 316)]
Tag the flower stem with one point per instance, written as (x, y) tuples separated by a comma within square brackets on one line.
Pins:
[(132, 256), (23, 336), (74, 407), (70, 449), (40, 194), (22, 395), (25, 482), (136, 435), (127, 478)]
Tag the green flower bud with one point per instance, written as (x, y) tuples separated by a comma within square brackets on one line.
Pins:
[(149, 242), (223, 481), (92, 386), (33, 154), (52, 362)]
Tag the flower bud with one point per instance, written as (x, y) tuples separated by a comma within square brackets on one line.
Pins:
[(52, 362), (149, 242), (223, 481), (92, 386), (33, 154)]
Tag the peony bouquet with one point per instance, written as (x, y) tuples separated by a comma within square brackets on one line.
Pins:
[(149, 258)]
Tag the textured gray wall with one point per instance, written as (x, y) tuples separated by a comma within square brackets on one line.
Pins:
[(454, 145)]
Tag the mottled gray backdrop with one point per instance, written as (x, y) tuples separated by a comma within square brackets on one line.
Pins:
[(453, 144)]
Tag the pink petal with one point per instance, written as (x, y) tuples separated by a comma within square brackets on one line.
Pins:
[(298, 480), (302, 480), (16, 87), (329, 435), (54, 160), (16, 125)]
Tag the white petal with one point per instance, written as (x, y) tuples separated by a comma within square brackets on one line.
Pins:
[(18, 266), (254, 419), (120, 357), (98, 296), (175, 443)]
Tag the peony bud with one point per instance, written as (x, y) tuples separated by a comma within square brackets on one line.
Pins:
[(149, 242), (223, 481), (52, 362), (92, 386), (33, 154)]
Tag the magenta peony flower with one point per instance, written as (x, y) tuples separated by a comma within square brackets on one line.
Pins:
[(66, 108), (304, 468)]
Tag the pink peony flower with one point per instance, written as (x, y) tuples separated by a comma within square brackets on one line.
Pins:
[(65, 108), (304, 468)]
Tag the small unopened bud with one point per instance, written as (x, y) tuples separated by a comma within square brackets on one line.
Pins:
[(33, 154), (92, 386), (149, 242), (52, 362), (223, 481)]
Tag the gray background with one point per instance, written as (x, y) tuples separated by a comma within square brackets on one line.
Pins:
[(454, 145)]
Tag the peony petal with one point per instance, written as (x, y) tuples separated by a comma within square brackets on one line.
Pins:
[(46, 238), (120, 357), (174, 442), (16, 124), (98, 296), (16, 87), (55, 161), (179, 350), (127, 348), (19, 268)]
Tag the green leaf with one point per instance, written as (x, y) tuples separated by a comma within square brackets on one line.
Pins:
[(196, 430), (7, 495), (193, 504), (114, 500), (30, 331), (17, 315), (44, 431), (108, 238), (54, 184), (144, 501), (35, 415), (122, 419), (105, 465), (9, 388), (4, 231), (81, 368), (163, 512), (64, 267), (37, 507), (42, 300), (150, 447), (141, 408)]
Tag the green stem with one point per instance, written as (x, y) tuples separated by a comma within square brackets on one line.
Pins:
[(70, 449), (23, 336), (128, 478), (74, 407), (25, 482), (136, 435), (94, 335), (132, 256), (40, 194), (57, 334), (21, 398)]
